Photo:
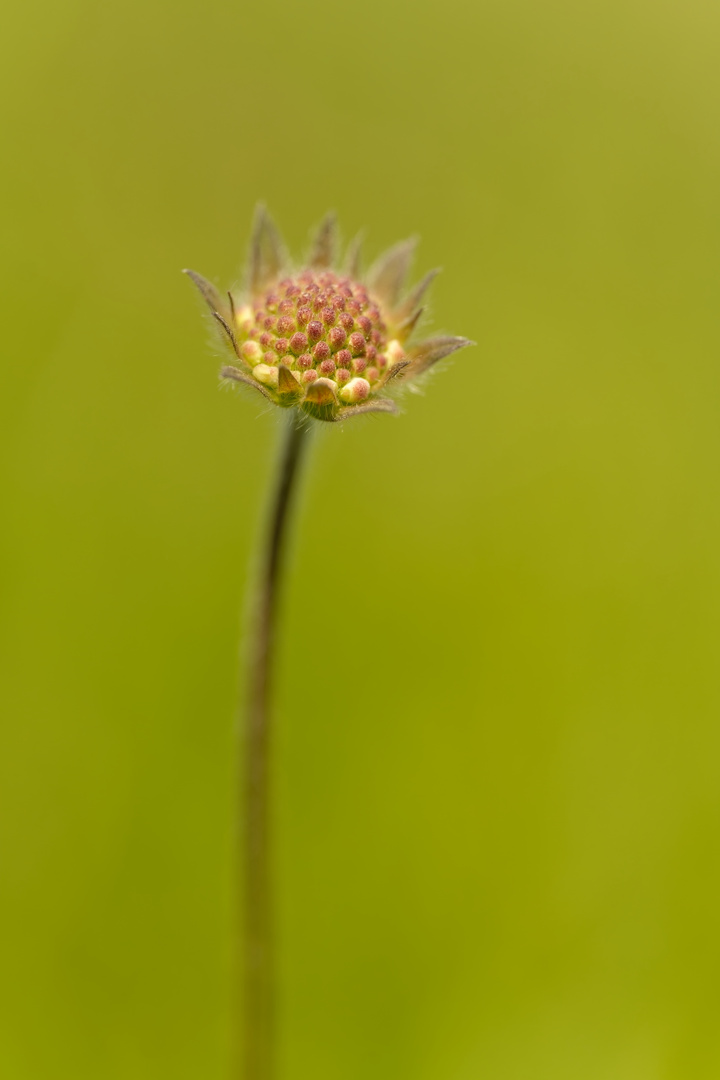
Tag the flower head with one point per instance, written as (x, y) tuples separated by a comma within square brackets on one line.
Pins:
[(323, 339)]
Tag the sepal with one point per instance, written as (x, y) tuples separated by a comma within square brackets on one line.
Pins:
[(387, 277), (267, 252), (230, 372), (207, 290), (322, 250), (426, 353), (321, 400)]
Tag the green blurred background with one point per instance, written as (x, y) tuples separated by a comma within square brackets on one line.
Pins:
[(497, 754)]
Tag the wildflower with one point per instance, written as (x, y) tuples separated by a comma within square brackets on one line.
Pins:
[(324, 339)]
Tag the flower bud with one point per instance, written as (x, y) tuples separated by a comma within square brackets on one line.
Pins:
[(337, 338), (355, 390), (251, 352), (394, 351), (266, 374), (244, 317), (317, 339), (298, 343), (357, 343)]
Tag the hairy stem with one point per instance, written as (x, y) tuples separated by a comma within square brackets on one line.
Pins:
[(257, 914)]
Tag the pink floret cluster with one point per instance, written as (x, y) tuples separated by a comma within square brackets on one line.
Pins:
[(318, 324)]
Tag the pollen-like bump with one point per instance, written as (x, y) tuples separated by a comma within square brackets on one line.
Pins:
[(346, 321), (315, 330), (285, 326), (355, 390), (344, 358), (327, 367), (310, 376), (365, 325), (357, 343), (321, 351), (281, 346), (266, 374), (337, 337), (251, 352), (298, 343), (342, 375)]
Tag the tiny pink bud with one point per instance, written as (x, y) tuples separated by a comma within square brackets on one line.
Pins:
[(355, 390), (342, 375), (344, 358), (298, 343), (371, 353), (382, 361), (286, 307), (327, 367), (372, 374), (266, 339), (328, 316), (357, 343), (359, 364), (346, 321), (337, 337), (310, 376), (305, 361), (364, 324), (285, 326), (269, 357), (269, 322), (321, 351), (304, 314), (315, 330), (281, 346)]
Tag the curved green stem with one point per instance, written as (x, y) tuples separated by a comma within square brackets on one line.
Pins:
[(257, 917)]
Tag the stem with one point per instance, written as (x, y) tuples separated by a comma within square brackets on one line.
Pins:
[(256, 929)]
